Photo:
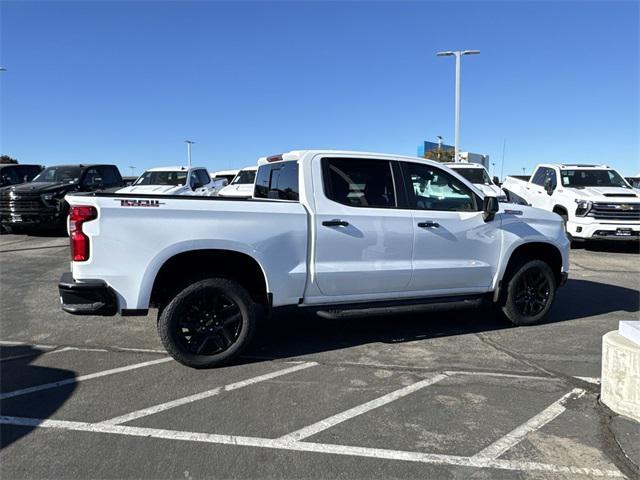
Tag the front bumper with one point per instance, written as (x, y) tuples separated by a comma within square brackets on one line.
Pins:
[(89, 297), (45, 219), (600, 230)]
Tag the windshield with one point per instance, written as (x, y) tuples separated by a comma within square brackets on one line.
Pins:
[(475, 175), (59, 175), (244, 177), (174, 178), (592, 178)]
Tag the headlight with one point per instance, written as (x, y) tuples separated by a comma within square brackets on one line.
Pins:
[(47, 197), (583, 207)]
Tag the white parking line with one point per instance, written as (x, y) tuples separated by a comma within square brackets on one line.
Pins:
[(400, 455), (594, 380), (202, 395), (81, 378), (500, 446), (359, 410)]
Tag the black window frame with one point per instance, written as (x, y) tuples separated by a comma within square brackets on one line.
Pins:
[(398, 187), (411, 197)]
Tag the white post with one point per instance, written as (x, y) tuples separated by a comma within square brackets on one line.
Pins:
[(457, 54), (189, 143), (456, 155)]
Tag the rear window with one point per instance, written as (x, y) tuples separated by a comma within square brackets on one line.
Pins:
[(278, 181)]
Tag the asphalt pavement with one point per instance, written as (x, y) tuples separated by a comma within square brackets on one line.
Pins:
[(454, 394)]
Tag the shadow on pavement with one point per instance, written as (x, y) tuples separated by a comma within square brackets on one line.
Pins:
[(303, 333), (584, 298), (17, 372), (608, 246)]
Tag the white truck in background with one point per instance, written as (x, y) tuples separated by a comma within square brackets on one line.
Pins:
[(343, 234), (594, 201), (478, 175), (242, 184), (175, 181)]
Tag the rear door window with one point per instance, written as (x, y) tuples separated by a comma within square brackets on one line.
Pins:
[(110, 178), (359, 182), (278, 181)]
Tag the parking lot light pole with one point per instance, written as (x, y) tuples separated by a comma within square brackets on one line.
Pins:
[(457, 54), (189, 143)]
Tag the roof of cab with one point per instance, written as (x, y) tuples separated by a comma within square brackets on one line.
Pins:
[(171, 169), (303, 154)]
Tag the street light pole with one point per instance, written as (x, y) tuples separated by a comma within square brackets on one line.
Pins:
[(458, 54), (189, 143)]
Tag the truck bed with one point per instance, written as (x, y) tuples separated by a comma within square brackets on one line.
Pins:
[(143, 231)]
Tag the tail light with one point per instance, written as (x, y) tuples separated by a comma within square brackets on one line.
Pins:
[(79, 241)]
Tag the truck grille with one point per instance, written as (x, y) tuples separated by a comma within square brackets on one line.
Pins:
[(20, 203), (615, 211)]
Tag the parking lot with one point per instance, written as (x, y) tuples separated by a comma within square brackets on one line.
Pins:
[(445, 395)]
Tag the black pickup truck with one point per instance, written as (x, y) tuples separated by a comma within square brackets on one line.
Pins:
[(40, 204)]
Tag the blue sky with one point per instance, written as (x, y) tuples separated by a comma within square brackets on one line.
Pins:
[(127, 82)]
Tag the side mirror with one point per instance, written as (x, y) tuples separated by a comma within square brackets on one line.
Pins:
[(197, 184), (548, 186), (489, 208), (496, 180)]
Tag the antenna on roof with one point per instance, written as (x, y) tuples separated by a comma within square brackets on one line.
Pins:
[(189, 143)]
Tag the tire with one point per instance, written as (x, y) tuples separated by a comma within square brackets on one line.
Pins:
[(530, 291), (192, 331)]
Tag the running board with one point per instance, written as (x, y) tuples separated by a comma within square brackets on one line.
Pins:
[(422, 305)]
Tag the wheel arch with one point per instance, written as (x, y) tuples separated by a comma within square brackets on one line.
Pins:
[(540, 250), (172, 270), (560, 209)]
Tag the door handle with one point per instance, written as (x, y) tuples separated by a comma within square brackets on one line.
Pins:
[(335, 223), (428, 224)]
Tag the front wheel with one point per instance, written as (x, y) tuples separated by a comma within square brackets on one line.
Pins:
[(208, 323), (530, 292)]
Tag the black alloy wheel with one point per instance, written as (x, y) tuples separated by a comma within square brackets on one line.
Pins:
[(208, 323), (211, 324), (530, 287), (532, 292)]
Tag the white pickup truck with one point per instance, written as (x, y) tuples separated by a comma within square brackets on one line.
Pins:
[(341, 233), (594, 201), (175, 181)]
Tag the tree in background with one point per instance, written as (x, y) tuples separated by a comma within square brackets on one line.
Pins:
[(7, 159), (443, 155)]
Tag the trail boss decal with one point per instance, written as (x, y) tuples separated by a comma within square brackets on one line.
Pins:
[(139, 203)]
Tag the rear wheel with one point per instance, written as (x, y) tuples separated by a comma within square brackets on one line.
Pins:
[(530, 291), (208, 323)]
